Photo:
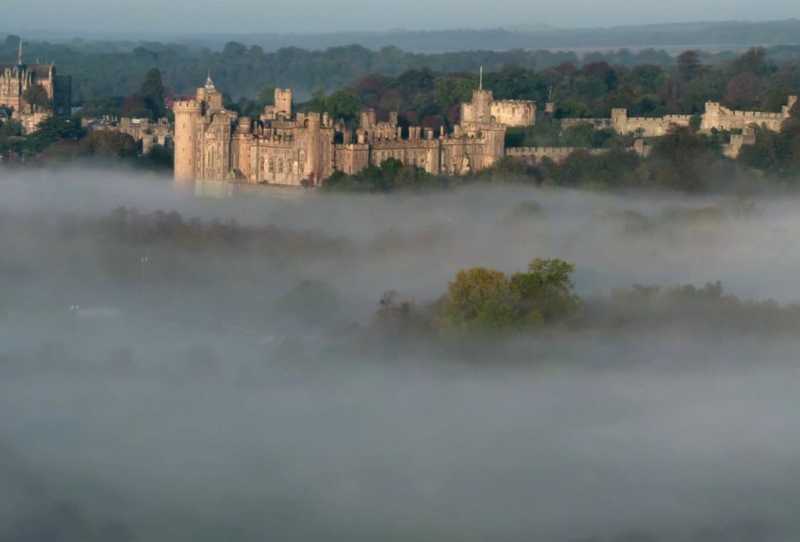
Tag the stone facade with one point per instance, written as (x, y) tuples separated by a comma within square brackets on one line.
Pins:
[(304, 149), (715, 117), (143, 131), (484, 108), (647, 126), (287, 148), (721, 118), (16, 79)]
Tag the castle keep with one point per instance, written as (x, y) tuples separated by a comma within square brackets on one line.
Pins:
[(287, 148)]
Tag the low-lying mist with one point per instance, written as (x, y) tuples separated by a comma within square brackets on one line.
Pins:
[(176, 366)]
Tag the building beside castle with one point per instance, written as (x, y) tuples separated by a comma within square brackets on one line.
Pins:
[(288, 148), (145, 132), (18, 79)]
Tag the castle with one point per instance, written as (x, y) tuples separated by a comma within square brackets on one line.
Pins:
[(304, 149), (17, 83), (287, 148)]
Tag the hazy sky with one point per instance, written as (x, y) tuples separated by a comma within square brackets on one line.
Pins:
[(327, 15)]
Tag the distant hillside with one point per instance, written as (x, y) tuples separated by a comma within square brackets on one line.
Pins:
[(103, 69), (714, 35)]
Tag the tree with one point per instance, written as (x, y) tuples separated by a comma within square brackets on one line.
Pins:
[(266, 96), (753, 61), (480, 298), (152, 93), (683, 160), (343, 105), (689, 66), (135, 107), (546, 291), (109, 144), (743, 91), (36, 96)]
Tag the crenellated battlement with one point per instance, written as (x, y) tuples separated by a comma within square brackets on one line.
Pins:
[(187, 106)]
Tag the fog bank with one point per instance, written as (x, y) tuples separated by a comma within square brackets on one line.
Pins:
[(165, 380)]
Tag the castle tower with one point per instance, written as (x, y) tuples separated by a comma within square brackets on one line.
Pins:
[(479, 110), (210, 96), (188, 123), (283, 102), (619, 120)]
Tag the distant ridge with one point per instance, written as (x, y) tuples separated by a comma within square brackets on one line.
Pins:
[(700, 34)]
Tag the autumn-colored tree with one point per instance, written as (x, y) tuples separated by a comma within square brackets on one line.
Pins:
[(742, 91)]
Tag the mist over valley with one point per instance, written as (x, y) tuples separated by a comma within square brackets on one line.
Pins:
[(175, 367)]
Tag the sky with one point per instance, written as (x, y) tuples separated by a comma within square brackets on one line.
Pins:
[(226, 16)]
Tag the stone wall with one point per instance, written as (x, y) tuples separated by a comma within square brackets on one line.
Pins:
[(715, 117), (422, 153), (647, 126), (514, 113), (719, 117), (556, 154), (597, 124), (352, 158)]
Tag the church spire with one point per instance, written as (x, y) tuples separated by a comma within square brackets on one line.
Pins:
[(209, 82), (19, 53), (480, 84)]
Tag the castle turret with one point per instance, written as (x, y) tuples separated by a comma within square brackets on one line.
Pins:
[(619, 120), (479, 110), (188, 121), (283, 102)]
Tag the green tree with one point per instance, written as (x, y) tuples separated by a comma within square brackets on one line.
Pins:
[(152, 93), (36, 96), (480, 298), (546, 291), (689, 66)]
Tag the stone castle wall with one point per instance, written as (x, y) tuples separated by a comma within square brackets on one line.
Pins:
[(715, 117), (556, 154), (646, 126), (514, 113), (718, 117)]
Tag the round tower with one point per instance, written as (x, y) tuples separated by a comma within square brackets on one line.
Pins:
[(188, 114)]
